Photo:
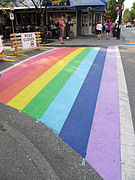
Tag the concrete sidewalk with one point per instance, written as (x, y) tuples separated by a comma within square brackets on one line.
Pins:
[(87, 41)]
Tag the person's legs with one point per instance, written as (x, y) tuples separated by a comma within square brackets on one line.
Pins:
[(109, 35), (61, 39), (98, 34), (106, 35), (61, 36)]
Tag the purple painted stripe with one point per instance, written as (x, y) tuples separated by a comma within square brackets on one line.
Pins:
[(103, 151)]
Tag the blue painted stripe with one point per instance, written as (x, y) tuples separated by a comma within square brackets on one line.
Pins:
[(76, 129), (58, 111)]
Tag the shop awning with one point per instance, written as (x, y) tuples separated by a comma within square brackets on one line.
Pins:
[(88, 2), (71, 3)]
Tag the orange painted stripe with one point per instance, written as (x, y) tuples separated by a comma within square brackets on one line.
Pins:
[(26, 63), (25, 69), (16, 88)]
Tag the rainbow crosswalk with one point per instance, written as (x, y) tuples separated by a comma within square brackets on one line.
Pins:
[(130, 43), (75, 92)]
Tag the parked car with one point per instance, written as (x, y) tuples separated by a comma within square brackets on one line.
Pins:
[(129, 24)]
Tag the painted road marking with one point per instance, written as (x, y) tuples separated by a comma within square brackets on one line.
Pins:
[(126, 126), (29, 66), (76, 129), (24, 97), (130, 43), (28, 78), (106, 92), (103, 151), (56, 114), (50, 91), (25, 60)]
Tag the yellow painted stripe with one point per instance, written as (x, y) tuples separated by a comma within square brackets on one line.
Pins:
[(25, 96)]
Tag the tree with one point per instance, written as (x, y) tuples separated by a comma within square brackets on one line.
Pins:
[(133, 12), (111, 10), (126, 15), (4, 3), (129, 15), (40, 6)]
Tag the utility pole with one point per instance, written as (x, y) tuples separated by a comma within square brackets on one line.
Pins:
[(121, 8)]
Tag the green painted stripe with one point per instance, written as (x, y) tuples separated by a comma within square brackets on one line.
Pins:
[(40, 103)]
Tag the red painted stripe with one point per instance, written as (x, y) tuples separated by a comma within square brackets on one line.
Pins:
[(26, 69), (13, 90), (27, 63)]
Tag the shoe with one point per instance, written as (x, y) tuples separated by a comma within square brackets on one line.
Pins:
[(61, 43)]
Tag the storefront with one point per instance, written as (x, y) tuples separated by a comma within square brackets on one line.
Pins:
[(70, 17), (80, 18)]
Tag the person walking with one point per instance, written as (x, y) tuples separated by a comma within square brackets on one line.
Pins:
[(113, 29), (108, 29), (104, 26), (62, 26), (99, 30)]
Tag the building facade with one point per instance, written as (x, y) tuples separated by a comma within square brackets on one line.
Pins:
[(80, 17)]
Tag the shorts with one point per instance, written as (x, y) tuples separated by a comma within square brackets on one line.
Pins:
[(61, 33), (98, 31), (108, 31)]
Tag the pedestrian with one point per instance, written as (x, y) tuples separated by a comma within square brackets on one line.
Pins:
[(116, 29), (104, 26), (113, 29), (99, 30), (62, 26), (108, 29)]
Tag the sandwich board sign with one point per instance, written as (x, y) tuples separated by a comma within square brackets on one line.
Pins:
[(28, 41)]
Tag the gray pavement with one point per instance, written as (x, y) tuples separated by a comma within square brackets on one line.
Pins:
[(85, 41), (88, 41), (28, 149), (128, 60)]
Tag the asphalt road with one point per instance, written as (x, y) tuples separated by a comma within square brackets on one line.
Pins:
[(128, 60), (30, 151), (128, 33)]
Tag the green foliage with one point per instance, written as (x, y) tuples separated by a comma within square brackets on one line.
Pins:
[(126, 15), (4, 2), (111, 10), (129, 15)]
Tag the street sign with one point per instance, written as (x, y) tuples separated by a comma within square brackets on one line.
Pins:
[(28, 41), (11, 16), (117, 8)]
